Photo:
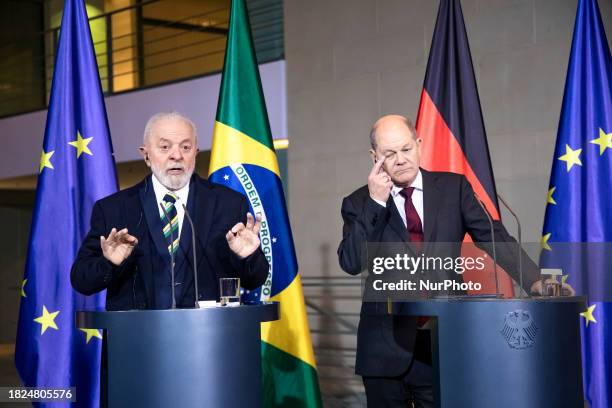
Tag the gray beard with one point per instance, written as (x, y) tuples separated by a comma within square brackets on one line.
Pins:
[(171, 182)]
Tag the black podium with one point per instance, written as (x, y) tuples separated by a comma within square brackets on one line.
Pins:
[(183, 357), (505, 353)]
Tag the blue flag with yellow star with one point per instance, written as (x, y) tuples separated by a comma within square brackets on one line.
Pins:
[(578, 221), (76, 169)]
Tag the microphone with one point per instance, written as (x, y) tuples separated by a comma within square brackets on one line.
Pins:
[(492, 242), (195, 263), (520, 240), (167, 216)]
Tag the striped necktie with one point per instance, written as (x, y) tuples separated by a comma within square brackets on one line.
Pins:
[(169, 200)]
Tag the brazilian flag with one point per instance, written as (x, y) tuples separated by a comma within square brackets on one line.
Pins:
[(243, 158)]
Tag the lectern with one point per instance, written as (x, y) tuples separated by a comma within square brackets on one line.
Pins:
[(183, 357), (505, 353)]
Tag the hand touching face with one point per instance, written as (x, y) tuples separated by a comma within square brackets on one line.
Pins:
[(397, 143), (379, 182)]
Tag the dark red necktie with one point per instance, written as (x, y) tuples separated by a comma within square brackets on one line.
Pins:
[(415, 231), (413, 221)]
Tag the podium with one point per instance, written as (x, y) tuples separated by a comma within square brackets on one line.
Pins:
[(505, 353), (183, 357)]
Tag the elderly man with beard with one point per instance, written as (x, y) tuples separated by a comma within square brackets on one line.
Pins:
[(127, 250)]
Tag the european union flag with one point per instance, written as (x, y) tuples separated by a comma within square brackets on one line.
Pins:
[(76, 169), (578, 204)]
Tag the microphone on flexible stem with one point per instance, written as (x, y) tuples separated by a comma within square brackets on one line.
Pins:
[(167, 216), (520, 240), (492, 242), (195, 263)]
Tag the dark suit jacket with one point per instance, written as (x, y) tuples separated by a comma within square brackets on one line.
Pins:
[(385, 341), (143, 280)]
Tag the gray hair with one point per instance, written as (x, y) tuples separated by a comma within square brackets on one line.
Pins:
[(168, 115), (406, 121)]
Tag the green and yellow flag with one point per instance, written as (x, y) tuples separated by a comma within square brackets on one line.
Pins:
[(243, 158)]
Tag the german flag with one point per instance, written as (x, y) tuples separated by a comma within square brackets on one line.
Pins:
[(243, 158), (450, 121)]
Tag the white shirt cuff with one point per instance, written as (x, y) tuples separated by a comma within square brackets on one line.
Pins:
[(380, 202)]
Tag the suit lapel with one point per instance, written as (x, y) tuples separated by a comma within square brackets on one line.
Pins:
[(151, 211), (204, 205), (184, 264), (395, 220), (146, 194), (181, 260), (134, 211), (200, 204), (431, 200)]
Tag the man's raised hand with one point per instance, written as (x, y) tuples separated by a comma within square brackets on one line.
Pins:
[(242, 239), (379, 182), (118, 246)]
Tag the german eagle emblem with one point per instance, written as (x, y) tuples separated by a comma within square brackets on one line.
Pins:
[(519, 329)]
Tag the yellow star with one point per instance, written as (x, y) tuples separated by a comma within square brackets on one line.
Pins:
[(47, 320), (544, 242), (81, 145), (45, 160), (23, 288), (604, 141), (588, 315), (550, 199), (92, 333), (564, 278), (571, 157)]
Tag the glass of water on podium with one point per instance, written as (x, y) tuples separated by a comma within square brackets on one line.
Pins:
[(229, 289), (550, 285)]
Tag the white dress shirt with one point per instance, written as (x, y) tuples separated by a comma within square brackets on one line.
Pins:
[(417, 199), (181, 198)]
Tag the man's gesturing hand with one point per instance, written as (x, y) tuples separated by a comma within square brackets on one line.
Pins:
[(379, 182), (118, 246), (244, 240)]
